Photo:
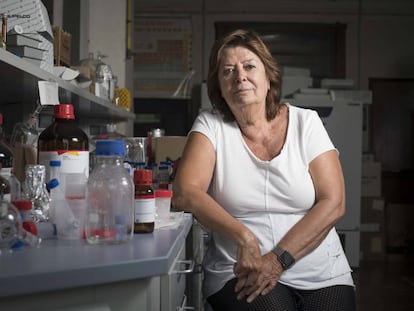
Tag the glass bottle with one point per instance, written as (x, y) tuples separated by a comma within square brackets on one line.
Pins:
[(65, 141), (6, 154), (23, 142), (144, 202), (25, 209), (109, 196), (4, 187), (3, 37), (15, 187), (11, 228)]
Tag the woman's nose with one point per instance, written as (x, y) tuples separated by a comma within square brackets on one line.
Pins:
[(240, 76)]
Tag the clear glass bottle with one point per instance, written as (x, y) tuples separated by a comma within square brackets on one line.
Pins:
[(3, 37), (4, 187), (25, 208), (11, 228), (6, 153), (65, 141), (144, 202), (109, 196), (23, 142)]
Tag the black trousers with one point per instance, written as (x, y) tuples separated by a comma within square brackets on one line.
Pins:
[(285, 298)]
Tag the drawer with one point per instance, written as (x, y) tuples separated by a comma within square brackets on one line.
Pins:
[(174, 283)]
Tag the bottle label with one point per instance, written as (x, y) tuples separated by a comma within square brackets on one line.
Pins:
[(144, 210), (72, 161)]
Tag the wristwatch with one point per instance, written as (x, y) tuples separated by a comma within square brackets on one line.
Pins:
[(284, 257)]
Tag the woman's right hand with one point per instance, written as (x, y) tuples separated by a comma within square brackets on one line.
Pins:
[(256, 274)]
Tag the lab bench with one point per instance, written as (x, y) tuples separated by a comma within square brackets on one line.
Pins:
[(147, 273)]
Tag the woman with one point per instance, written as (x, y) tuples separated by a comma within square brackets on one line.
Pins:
[(265, 178)]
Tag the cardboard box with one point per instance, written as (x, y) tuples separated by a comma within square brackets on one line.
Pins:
[(88, 73), (62, 41), (371, 179), (168, 148)]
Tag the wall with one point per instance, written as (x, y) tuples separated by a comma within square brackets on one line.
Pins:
[(377, 45)]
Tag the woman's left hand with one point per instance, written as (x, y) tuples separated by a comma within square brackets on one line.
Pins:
[(256, 277)]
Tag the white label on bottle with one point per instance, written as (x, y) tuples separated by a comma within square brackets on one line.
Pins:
[(72, 161), (144, 210)]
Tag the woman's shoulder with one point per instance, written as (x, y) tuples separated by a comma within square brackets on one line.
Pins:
[(302, 113)]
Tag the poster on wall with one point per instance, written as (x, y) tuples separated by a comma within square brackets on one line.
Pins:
[(162, 57)]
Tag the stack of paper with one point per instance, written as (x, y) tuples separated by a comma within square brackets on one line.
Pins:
[(26, 46), (32, 18)]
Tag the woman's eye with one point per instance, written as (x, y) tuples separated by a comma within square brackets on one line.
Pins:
[(228, 71), (249, 67)]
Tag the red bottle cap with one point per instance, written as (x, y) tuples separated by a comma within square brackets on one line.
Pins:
[(163, 193), (143, 177), (63, 111), (23, 205)]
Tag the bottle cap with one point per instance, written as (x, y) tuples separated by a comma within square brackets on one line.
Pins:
[(54, 163), (23, 205), (163, 193), (143, 177), (110, 147), (63, 111), (53, 183)]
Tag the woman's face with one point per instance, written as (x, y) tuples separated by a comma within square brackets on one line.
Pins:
[(242, 78)]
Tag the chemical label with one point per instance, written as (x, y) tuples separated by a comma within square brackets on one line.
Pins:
[(72, 161), (144, 210)]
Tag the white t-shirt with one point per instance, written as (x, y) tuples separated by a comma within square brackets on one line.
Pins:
[(269, 197)]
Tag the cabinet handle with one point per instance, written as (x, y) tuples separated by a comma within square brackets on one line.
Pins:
[(183, 305), (187, 263)]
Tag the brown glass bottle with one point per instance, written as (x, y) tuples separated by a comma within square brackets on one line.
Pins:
[(144, 213), (65, 141)]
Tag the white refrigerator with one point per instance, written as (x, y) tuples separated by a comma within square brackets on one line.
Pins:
[(343, 121)]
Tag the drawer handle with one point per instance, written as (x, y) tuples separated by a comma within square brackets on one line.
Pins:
[(184, 305), (187, 263)]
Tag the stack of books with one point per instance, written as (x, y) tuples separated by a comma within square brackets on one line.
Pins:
[(26, 46)]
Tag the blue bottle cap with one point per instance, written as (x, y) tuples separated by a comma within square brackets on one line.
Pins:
[(53, 183), (54, 163), (110, 147)]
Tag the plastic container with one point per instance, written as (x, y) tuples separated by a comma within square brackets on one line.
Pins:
[(64, 141), (163, 203), (144, 202), (109, 196)]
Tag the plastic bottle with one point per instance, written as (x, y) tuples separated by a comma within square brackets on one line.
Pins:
[(144, 202), (109, 196), (67, 225), (63, 140)]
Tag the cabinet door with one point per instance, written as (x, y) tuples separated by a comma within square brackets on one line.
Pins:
[(173, 284)]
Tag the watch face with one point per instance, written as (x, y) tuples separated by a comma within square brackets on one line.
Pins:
[(287, 260)]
